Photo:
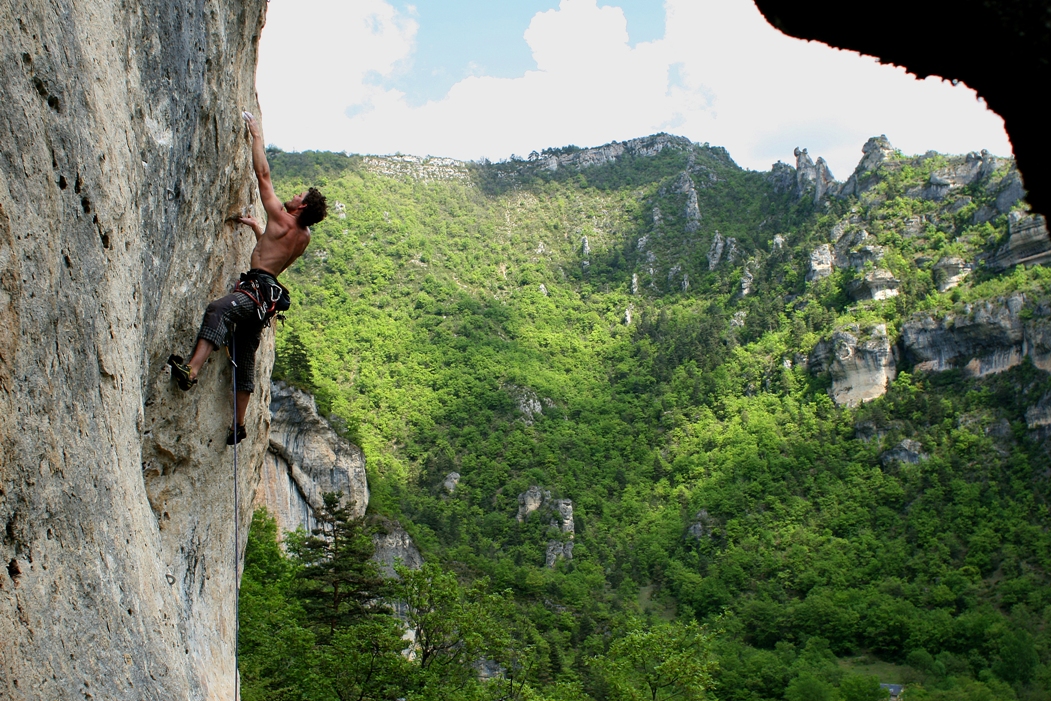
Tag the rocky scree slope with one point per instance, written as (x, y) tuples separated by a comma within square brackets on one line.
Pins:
[(122, 153)]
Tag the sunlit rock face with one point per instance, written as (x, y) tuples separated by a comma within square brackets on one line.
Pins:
[(986, 338), (820, 263), (394, 546), (1027, 243), (861, 363), (641, 147), (813, 176), (122, 154), (306, 459), (560, 525), (950, 272), (874, 284)]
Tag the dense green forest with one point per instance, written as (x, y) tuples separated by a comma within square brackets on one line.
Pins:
[(656, 339)]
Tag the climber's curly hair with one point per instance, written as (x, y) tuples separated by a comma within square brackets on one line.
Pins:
[(314, 208)]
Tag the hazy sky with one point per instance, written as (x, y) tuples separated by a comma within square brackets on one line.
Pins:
[(491, 78)]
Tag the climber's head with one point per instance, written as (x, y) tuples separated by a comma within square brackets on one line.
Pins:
[(308, 207)]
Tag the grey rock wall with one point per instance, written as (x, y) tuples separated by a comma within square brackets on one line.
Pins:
[(644, 146), (307, 458), (862, 364), (395, 547), (122, 153), (987, 338), (1027, 243)]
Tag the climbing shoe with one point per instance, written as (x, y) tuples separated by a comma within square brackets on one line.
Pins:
[(235, 438), (181, 372)]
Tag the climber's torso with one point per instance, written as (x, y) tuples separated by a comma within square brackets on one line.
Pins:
[(282, 242)]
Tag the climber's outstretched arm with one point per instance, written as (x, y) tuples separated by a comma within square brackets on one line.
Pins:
[(271, 203), (256, 227)]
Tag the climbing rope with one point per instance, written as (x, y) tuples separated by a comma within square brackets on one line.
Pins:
[(237, 526)]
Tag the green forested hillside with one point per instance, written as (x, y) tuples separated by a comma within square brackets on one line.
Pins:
[(574, 330)]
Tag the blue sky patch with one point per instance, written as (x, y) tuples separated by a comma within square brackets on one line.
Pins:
[(460, 38)]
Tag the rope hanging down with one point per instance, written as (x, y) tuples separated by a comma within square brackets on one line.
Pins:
[(237, 526)]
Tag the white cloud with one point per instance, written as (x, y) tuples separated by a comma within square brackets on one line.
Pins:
[(721, 74), (317, 61)]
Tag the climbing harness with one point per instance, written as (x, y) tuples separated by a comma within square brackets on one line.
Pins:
[(267, 294)]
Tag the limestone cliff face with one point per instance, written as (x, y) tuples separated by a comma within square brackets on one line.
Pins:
[(122, 153), (306, 459), (987, 338), (861, 362), (585, 158)]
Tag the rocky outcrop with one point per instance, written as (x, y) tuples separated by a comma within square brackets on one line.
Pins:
[(451, 481), (847, 237), (394, 546), (530, 500), (812, 176), (875, 284), (703, 525), (863, 256), (783, 177), (1011, 191), (955, 176), (862, 364), (306, 459), (747, 280), (557, 550), (722, 250), (868, 431), (1027, 243), (715, 251), (536, 499), (1038, 416), (986, 338), (122, 153), (586, 158), (693, 211), (820, 263), (427, 169), (950, 272), (908, 451), (875, 152), (526, 402)]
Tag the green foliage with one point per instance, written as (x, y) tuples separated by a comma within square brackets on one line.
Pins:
[(860, 687), (807, 687), (276, 648), (667, 661), (710, 473), (337, 581)]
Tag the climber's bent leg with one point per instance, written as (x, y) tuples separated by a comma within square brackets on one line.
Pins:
[(201, 351), (246, 342), (219, 318)]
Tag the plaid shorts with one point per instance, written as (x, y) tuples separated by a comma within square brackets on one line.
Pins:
[(232, 321)]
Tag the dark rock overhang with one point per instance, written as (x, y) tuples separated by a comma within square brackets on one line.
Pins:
[(1002, 49)]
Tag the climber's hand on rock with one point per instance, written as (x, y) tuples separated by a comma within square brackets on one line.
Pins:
[(247, 221), (253, 125)]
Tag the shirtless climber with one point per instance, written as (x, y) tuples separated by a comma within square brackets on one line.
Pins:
[(240, 316)]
